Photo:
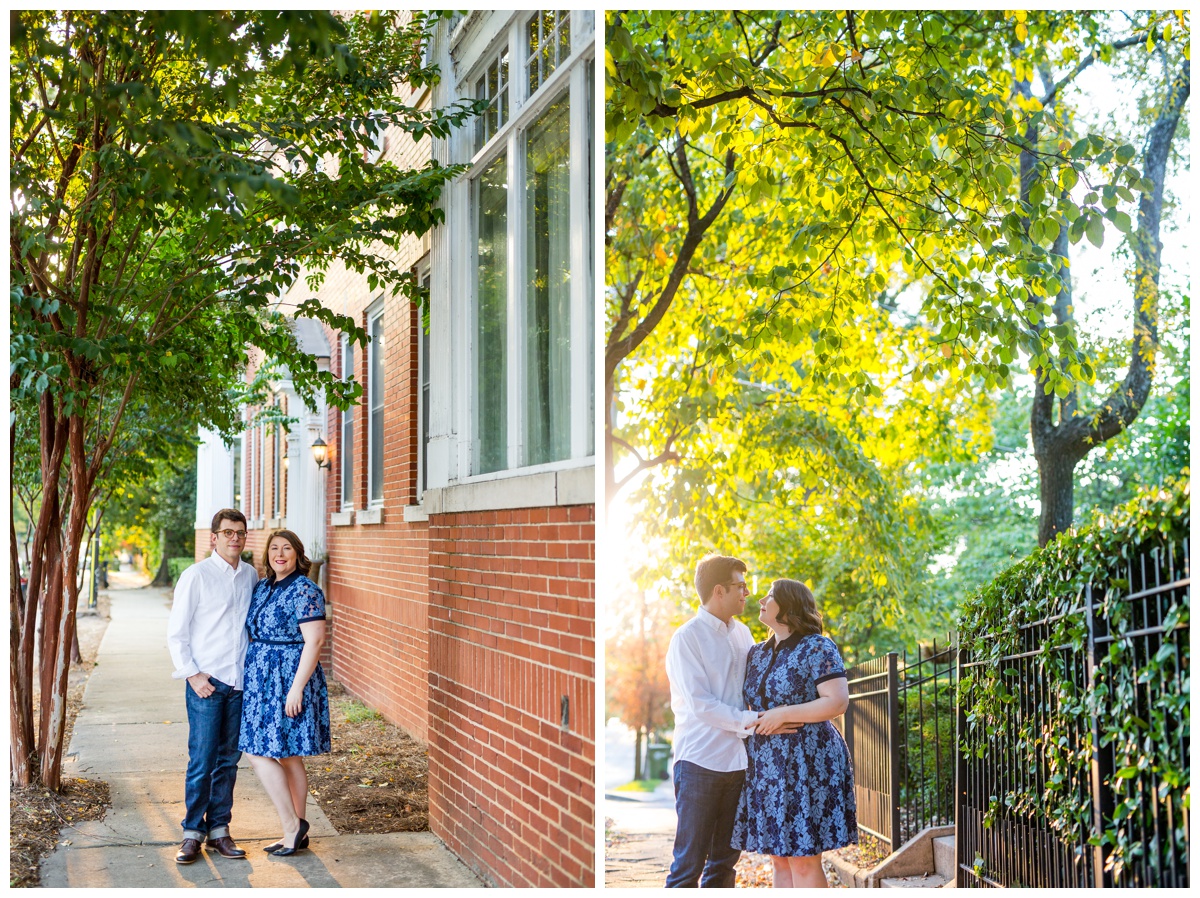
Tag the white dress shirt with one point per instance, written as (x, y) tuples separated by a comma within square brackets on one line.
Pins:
[(207, 628), (706, 664)]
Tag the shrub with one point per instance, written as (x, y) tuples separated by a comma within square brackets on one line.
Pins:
[(176, 566), (1136, 703)]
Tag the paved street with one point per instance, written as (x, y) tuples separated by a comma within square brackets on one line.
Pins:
[(132, 733)]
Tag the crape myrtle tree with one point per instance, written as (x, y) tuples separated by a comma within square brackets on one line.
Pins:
[(780, 185), (172, 173)]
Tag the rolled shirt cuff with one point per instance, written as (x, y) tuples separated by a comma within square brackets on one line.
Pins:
[(183, 673)]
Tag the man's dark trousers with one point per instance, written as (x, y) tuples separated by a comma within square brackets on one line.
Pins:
[(706, 804), (213, 727)]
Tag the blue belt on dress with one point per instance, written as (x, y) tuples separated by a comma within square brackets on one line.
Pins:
[(278, 641)]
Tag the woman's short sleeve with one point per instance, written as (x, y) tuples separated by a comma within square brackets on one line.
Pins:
[(827, 663), (310, 601)]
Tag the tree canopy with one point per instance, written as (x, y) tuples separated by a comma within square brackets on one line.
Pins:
[(172, 173), (834, 240)]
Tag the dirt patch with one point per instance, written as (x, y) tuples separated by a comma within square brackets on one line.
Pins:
[(37, 815), (866, 854), (375, 780)]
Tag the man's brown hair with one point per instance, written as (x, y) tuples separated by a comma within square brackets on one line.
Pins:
[(713, 570), (228, 514)]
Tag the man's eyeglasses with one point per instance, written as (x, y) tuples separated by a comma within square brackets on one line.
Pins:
[(230, 534), (738, 584)]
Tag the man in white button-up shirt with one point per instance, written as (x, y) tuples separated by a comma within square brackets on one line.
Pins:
[(706, 664), (206, 635)]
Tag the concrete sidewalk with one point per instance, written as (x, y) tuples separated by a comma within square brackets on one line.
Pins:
[(132, 733), (640, 825)]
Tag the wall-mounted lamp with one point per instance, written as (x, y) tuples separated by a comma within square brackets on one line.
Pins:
[(286, 463), (320, 453)]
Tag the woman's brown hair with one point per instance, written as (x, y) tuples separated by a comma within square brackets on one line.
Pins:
[(303, 565), (797, 607)]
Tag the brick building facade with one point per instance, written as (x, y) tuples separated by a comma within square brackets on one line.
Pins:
[(457, 513)]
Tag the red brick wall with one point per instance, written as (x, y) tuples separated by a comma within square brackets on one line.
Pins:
[(511, 631), (378, 574)]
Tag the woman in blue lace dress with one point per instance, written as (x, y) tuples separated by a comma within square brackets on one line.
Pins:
[(798, 797), (285, 705)]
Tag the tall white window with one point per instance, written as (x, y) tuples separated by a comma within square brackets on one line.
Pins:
[(548, 42), (375, 390), (531, 236), (262, 470), (277, 479), (492, 85), (423, 396), (238, 474), (346, 440), (491, 316)]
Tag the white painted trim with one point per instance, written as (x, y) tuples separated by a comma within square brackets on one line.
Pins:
[(577, 486), (453, 413), (581, 288), (572, 486), (375, 312)]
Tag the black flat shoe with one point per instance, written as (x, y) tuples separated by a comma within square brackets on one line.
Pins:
[(301, 842)]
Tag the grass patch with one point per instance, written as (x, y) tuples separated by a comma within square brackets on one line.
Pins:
[(357, 712), (639, 786)]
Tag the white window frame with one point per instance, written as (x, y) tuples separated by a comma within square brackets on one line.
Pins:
[(375, 391), (237, 458), (346, 419), (279, 441), (422, 417), (569, 76), (262, 471)]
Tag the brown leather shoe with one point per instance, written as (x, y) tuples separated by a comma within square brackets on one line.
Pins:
[(188, 852), (226, 847)]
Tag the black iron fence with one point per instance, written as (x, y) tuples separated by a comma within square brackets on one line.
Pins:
[(1002, 842), (899, 727)]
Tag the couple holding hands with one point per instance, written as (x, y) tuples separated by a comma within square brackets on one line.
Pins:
[(248, 649), (793, 796)]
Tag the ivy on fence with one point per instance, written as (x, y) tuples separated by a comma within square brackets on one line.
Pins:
[(1058, 735)]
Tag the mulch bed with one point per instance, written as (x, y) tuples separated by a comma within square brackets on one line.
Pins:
[(375, 780), (37, 816)]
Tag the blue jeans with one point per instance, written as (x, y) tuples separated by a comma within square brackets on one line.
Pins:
[(706, 804), (213, 727)]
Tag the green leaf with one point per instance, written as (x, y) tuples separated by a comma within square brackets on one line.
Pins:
[(1095, 230)]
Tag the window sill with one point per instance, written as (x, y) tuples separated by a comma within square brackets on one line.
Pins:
[(415, 514), (341, 519), (254, 524), (369, 516), (568, 486)]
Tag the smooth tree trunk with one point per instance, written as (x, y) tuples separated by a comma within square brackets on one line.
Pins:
[(163, 577), (20, 723), (637, 755)]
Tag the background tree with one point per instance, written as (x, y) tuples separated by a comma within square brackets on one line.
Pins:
[(635, 675), (780, 182), (171, 173)]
